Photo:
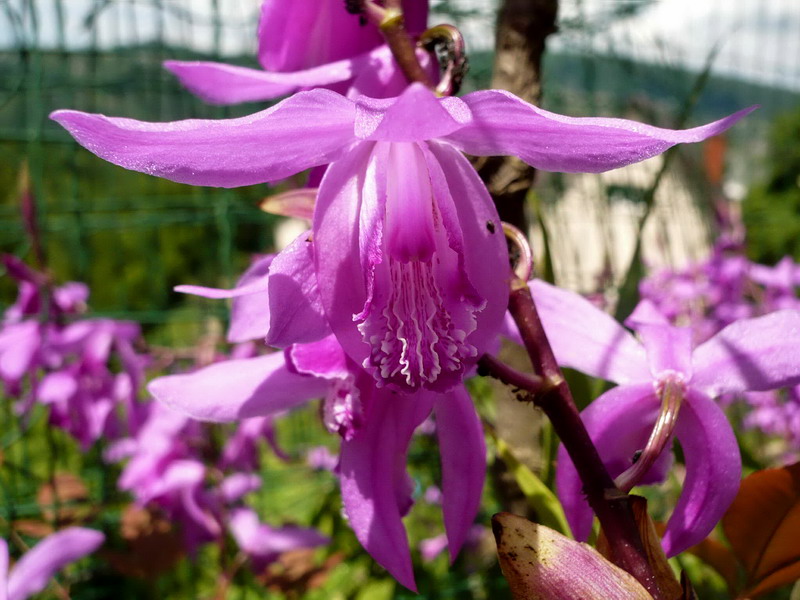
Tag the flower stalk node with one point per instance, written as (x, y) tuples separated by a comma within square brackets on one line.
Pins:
[(521, 255), (392, 19), (551, 382)]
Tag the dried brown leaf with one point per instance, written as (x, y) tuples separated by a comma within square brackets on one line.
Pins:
[(33, 528), (297, 571), (763, 528), (541, 564), (153, 546), (65, 500)]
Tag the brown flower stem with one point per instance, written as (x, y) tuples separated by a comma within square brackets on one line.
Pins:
[(528, 385), (391, 23), (611, 505)]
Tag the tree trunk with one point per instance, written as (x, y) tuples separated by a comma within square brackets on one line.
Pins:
[(522, 27)]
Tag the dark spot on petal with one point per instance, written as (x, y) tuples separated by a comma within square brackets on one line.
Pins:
[(490, 226)]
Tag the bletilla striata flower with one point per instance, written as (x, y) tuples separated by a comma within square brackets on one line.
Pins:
[(664, 370), (375, 425), (410, 259), (304, 44)]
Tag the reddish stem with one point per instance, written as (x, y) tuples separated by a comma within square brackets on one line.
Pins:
[(611, 505)]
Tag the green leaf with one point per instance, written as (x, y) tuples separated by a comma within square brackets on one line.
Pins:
[(539, 496)]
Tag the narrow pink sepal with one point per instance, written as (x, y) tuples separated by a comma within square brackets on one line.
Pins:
[(259, 285), (463, 455), (262, 540), (33, 571), (219, 83), (308, 129), (237, 389), (506, 125), (750, 355)]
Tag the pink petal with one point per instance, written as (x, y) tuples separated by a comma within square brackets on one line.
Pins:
[(295, 306), (33, 571), (306, 33), (250, 317), (218, 83), (324, 358), (713, 472), (585, 338), (465, 204), (308, 129), (339, 217), (3, 570), (416, 115), (506, 125), (750, 355), (373, 478), (363, 276), (178, 476), (463, 452), (668, 348), (19, 344), (262, 540), (237, 389), (619, 423), (234, 487)]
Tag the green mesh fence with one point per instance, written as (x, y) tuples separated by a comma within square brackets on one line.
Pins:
[(130, 237)]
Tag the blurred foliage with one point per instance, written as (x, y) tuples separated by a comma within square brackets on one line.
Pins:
[(772, 206)]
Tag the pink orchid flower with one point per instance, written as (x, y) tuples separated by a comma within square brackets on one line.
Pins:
[(375, 424), (748, 355), (411, 262)]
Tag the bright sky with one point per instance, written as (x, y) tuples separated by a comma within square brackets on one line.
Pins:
[(759, 39)]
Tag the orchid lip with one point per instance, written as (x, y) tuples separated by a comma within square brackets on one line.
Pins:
[(671, 390)]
